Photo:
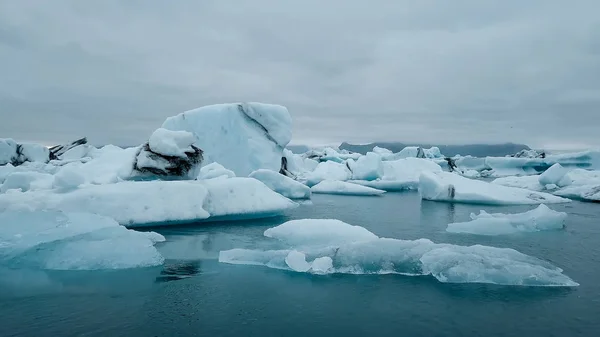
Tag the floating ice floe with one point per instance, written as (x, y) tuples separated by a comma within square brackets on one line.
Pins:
[(344, 188), (281, 184), (73, 241), (400, 175), (243, 137), (555, 175), (539, 219), (331, 246), (451, 187), (146, 203), (581, 192)]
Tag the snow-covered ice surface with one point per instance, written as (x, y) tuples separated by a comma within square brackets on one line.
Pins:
[(451, 187), (73, 241), (147, 203), (129, 203), (281, 184), (171, 143), (331, 246), (583, 192), (242, 137), (539, 219), (243, 198), (344, 188), (27, 180), (215, 170)]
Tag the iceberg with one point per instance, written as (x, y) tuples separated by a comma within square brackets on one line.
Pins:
[(169, 154), (555, 175), (368, 167), (450, 187), (281, 184), (215, 170), (344, 188), (8, 151), (150, 203), (16, 154), (527, 182), (73, 241), (581, 192), (243, 198), (328, 170), (329, 247), (539, 219), (243, 137), (401, 174)]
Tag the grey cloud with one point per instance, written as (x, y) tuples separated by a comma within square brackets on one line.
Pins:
[(429, 71)]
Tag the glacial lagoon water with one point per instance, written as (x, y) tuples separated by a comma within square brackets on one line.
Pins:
[(195, 295)]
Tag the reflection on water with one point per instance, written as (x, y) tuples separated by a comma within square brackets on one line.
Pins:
[(433, 211), (178, 270)]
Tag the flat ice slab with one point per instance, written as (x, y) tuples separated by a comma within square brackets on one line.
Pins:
[(145, 203), (539, 219), (344, 188), (451, 187), (281, 184), (73, 241), (331, 246)]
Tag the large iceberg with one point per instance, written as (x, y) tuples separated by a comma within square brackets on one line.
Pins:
[(368, 167), (73, 241), (539, 219), (145, 203), (13, 153), (243, 137), (344, 188), (330, 246), (281, 184), (450, 187)]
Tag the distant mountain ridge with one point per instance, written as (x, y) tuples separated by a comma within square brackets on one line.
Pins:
[(476, 150)]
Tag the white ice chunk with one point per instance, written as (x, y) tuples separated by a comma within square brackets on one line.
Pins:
[(407, 171), (8, 151), (27, 180), (129, 203), (68, 178), (243, 198), (215, 170), (344, 188), (369, 254), (369, 167), (77, 152), (34, 153), (297, 261), (281, 184), (171, 143), (555, 175), (527, 182), (243, 137), (73, 241), (322, 265), (382, 151), (387, 185), (320, 232), (539, 219), (5, 171), (328, 170), (108, 165), (451, 187), (581, 192)]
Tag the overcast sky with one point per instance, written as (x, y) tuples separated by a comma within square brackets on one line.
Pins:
[(432, 71)]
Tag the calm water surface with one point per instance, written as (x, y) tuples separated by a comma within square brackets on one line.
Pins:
[(195, 295)]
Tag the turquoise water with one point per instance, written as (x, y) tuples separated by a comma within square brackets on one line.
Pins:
[(195, 295)]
